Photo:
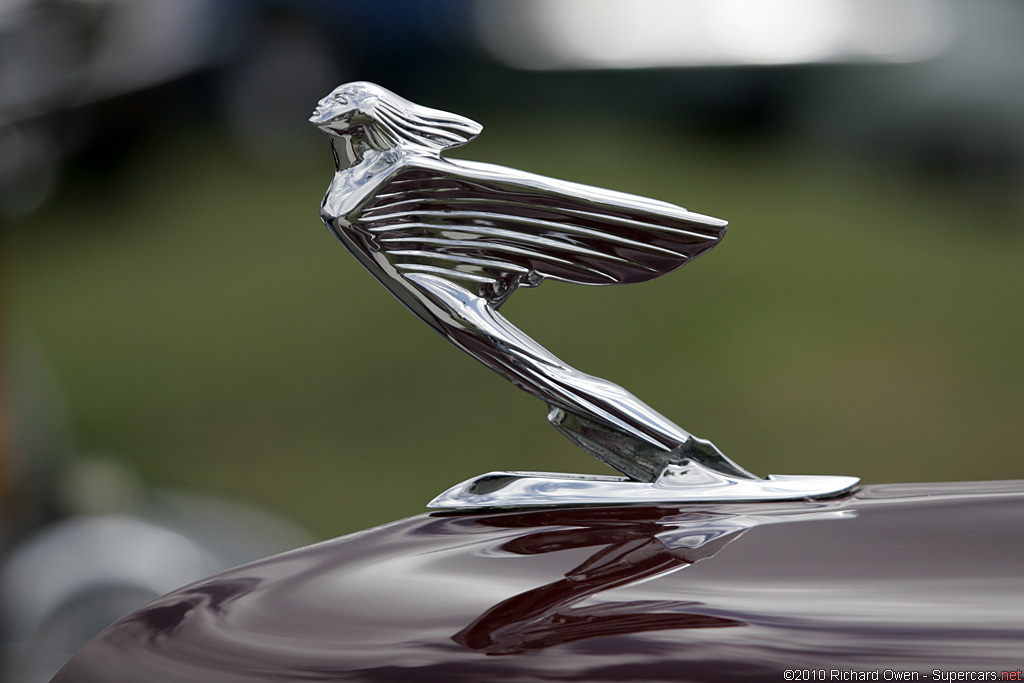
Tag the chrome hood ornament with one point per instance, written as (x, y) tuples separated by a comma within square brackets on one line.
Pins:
[(453, 240)]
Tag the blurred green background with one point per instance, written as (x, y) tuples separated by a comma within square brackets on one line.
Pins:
[(207, 329), (861, 316)]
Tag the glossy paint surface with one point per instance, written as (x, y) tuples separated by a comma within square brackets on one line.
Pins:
[(900, 577)]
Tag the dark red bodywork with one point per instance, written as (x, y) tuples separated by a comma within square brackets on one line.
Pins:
[(889, 579)]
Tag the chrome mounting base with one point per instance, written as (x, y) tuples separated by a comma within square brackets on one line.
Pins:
[(687, 482)]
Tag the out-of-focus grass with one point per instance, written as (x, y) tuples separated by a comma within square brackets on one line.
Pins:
[(206, 327)]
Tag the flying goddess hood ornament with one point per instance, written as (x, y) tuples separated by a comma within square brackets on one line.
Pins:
[(453, 240)]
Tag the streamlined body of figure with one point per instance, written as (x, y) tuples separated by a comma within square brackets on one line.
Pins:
[(452, 240)]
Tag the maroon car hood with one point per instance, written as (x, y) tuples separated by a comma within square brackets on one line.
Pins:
[(899, 577)]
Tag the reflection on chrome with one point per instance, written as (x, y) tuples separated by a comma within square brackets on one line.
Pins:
[(626, 552), (453, 240), (690, 482)]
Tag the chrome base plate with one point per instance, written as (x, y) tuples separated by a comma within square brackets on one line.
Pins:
[(687, 482)]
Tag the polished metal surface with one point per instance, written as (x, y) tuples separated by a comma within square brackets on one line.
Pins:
[(899, 577), (453, 240), (689, 482)]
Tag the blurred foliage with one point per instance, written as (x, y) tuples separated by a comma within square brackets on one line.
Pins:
[(207, 328)]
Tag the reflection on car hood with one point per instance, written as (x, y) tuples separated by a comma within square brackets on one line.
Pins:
[(904, 577)]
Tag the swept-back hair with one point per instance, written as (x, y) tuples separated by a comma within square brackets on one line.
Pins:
[(408, 123)]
